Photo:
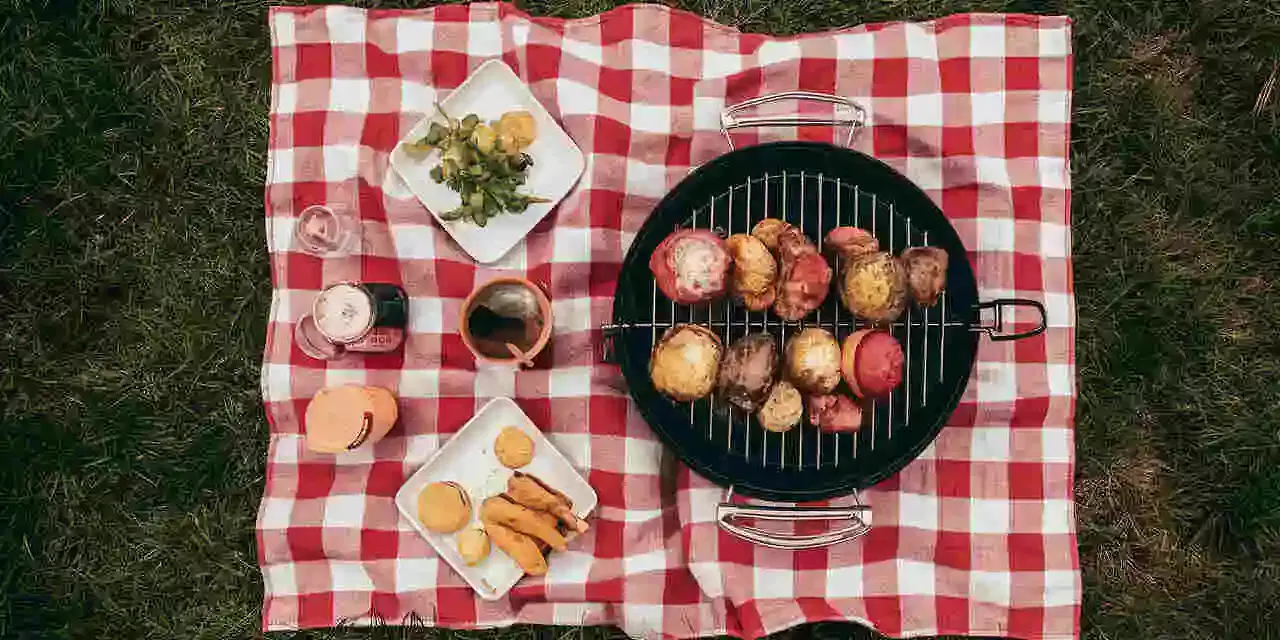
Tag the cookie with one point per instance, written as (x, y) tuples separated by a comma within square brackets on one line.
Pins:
[(513, 448), (473, 546), (444, 507)]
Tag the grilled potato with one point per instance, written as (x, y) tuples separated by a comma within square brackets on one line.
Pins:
[(754, 271), (685, 362), (767, 231), (812, 361), (784, 408), (849, 242), (874, 287)]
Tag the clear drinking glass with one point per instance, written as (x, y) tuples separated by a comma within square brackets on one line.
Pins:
[(322, 231)]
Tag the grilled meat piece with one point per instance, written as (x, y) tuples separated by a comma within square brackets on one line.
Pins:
[(531, 492), (519, 546), (541, 525)]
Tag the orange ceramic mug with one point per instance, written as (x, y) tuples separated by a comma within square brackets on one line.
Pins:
[(506, 321)]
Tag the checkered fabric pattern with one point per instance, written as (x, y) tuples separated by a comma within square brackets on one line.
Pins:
[(977, 536)]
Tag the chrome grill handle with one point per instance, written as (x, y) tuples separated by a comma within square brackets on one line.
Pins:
[(995, 330), (730, 118), (727, 512)]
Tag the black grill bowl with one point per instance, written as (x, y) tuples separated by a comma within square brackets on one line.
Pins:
[(816, 187)]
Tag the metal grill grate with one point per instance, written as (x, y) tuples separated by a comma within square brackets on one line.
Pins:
[(816, 204)]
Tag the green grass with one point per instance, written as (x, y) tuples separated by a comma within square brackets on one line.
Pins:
[(134, 291)]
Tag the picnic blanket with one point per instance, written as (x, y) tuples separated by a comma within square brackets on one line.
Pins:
[(977, 536)]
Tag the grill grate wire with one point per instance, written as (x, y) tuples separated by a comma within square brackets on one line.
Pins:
[(816, 204)]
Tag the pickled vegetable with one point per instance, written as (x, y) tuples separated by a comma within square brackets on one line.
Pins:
[(484, 163)]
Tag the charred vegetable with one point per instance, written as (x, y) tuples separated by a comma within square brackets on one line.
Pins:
[(685, 363), (926, 273), (483, 163), (812, 361), (748, 370)]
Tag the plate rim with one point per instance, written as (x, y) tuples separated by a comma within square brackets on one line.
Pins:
[(402, 497)]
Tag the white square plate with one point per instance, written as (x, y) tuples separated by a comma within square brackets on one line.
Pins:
[(468, 460), (492, 90)]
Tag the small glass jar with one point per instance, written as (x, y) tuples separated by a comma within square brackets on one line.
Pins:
[(324, 232), (366, 317)]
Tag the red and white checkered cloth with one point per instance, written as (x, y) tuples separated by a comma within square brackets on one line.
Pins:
[(977, 536)]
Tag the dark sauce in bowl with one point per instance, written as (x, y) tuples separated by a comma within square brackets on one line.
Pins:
[(490, 332), (505, 313)]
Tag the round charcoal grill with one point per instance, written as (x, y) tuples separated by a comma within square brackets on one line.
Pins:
[(816, 187)]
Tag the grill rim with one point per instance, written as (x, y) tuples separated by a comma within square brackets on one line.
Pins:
[(851, 168)]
